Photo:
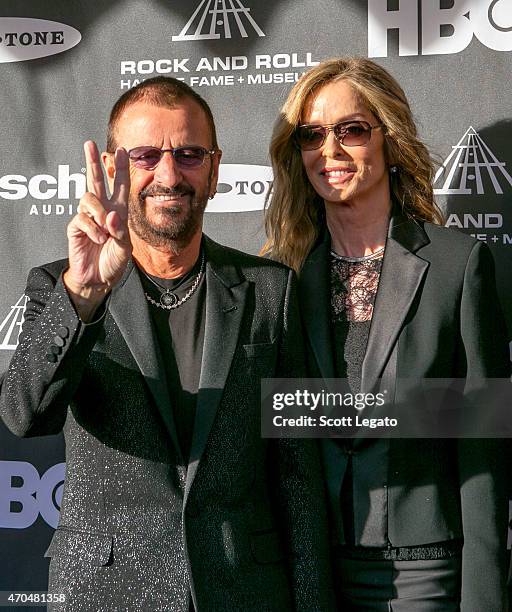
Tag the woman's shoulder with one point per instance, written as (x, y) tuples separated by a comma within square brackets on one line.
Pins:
[(452, 240), (456, 254)]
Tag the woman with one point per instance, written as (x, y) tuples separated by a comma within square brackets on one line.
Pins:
[(387, 294)]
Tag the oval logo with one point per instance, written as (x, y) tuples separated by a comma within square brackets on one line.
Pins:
[(24, 39), (241, 188)]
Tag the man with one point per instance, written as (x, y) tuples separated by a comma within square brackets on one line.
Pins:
[(157, 337)]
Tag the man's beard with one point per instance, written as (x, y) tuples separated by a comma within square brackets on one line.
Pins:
[(175, 229)]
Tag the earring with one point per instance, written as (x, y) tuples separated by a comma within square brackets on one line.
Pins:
[(393, 169), (212, 195)]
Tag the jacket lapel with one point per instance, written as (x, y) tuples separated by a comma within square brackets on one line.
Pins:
[(401, 276), (226, 293), (130, 311), (315, 291)]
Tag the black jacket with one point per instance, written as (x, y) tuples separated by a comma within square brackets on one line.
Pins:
[(436, 315), (242, 525)]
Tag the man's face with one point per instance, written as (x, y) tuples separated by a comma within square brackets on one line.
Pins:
[(167, 203)]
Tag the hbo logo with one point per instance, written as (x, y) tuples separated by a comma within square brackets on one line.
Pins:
[(443, 30), (24, 495)]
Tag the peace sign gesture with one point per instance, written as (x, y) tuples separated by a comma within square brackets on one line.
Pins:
[(98, 240)]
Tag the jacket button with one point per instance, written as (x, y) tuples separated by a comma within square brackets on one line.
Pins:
[(51, 357), (56, 350), (59, 341), (63, 332)]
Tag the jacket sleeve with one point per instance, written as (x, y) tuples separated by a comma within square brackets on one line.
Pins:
[(300, 485), (48, 363), (483, 463)]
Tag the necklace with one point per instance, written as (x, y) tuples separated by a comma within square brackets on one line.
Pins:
[(374, 255), (168, 299)]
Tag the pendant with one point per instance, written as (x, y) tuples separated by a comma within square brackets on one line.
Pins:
[(168, 299)]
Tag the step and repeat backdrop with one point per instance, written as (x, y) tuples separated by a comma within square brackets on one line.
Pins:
[(64, 63)]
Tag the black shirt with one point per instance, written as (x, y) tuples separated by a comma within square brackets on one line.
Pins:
[(354, 283), (180, 334)]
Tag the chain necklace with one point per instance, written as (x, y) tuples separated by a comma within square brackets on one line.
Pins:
[(168, 299), (374, 255)]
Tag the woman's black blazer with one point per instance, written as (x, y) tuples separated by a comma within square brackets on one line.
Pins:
[(436, 315)]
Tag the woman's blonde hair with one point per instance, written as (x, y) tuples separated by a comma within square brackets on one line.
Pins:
[(294, 213)]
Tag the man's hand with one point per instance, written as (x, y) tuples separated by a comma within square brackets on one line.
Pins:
[(98, 239)]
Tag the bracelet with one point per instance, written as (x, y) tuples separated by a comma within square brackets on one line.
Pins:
[(103, 305)]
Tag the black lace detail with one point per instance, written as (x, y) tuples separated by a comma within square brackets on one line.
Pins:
[(354, 284)]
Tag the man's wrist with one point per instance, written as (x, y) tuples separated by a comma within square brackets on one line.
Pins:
[(85, 298)]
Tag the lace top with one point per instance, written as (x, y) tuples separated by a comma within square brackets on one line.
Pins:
[(354, 283)]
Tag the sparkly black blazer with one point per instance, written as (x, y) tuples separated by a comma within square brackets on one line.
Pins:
[(436, 315), (242, 526)]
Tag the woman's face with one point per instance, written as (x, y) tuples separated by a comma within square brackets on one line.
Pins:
[(337, 172)]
